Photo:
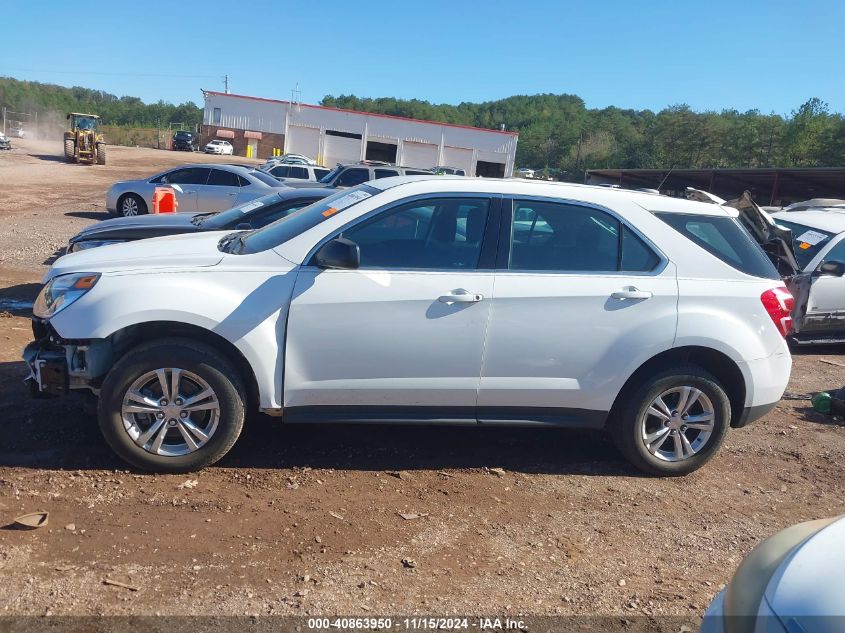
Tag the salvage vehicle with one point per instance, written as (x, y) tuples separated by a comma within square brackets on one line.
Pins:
[(288, 159), (790, 583), (184, 141), (349, 175), (807, 246), (312, 173), (199, 187), (219, 147), (5, 143), (434, 299), (249, 215)]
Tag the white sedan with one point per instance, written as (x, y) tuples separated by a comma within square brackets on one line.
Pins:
[(790, 583), (219, 147)]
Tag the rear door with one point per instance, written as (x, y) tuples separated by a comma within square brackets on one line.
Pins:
[(579, 297), (190, 180), (220, 192)]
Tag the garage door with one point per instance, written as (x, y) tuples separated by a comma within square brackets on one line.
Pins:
[(303, 140), (339, 149), (458, 157), (422, 155)]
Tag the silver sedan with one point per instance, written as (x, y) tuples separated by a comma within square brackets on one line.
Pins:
[(199, 188)]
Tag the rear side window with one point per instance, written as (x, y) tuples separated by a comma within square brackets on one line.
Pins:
[(386, 173), (725, 238)]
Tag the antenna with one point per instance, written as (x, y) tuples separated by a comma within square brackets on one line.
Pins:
[(226, 83), (296, 97)]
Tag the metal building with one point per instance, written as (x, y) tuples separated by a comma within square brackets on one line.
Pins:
[(257, 127)]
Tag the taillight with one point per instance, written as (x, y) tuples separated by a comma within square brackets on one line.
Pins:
[(779, 303)]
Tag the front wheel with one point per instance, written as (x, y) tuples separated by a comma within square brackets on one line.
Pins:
[(673, 422), (174, 405)]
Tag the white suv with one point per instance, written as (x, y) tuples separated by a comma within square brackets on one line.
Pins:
[(427, 299)]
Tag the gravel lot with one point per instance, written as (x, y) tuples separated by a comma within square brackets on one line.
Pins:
[(303, 521)]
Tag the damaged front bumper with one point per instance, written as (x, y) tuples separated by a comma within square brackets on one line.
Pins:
[(57, 366)]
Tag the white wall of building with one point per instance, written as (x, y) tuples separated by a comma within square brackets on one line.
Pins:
[(419, 143)]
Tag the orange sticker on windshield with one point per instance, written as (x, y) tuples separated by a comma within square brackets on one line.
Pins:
[(329, 212), (804, 246)]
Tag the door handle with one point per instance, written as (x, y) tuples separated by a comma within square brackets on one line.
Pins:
[(460, 296), (631, 292)]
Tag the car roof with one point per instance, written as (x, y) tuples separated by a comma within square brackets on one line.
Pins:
[(563, 190), (831, 220), (239, 169)]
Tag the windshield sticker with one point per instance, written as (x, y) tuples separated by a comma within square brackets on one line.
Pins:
[(329, 212), (251, 206), (810, 238), (350, 198)]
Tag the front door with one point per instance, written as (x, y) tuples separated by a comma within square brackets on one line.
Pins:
[(826, 302), (189, 180), (579, 298), (401, 338)]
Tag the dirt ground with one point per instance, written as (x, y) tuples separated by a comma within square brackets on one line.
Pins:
[(298, 520)]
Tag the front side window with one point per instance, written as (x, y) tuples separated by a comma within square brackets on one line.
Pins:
[(299, 172), (563, 237), (319, 174), (725, 238), (281, 171), (352, 177), (187, 176), (435, 234)]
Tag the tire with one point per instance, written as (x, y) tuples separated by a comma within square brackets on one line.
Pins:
[(631, 421), (129, 205), (101, 153), (69, 150), (201, 368)]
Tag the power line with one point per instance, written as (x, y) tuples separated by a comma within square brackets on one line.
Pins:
[(91, 72)]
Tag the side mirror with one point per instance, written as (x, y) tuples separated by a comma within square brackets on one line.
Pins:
[(338, 253), (243, 226), (832, 268)]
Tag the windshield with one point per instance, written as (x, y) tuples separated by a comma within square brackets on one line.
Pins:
[(239, 213), (300, 221), (331, 175), (806, 242)]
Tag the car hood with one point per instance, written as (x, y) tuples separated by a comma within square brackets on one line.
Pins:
[(810, 583), (170, 252), (140, 222)]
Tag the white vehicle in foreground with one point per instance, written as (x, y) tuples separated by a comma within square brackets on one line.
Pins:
[(433, 299), (219, 147), (790, 583)]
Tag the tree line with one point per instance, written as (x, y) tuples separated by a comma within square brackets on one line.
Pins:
[(559, 133), (556, 132)]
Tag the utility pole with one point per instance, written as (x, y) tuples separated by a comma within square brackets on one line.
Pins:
[(226, 83)]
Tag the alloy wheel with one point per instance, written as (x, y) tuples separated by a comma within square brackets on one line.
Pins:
[(129, 207), (677, 424), (170, 412)]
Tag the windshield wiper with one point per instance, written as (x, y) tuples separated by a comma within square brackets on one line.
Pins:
[(199, 218)]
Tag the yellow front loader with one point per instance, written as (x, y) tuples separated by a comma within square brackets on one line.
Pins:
[(83, 141)]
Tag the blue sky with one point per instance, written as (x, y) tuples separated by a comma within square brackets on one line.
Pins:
[(770, 55)]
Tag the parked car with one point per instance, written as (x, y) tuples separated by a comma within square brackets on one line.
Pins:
[(790, 583), (5, 143), (818, 242), (206, 187), (409, 300), (349, 175), (219, 147), (524, 172), (289, 159), (248, 215), (298, 172), (184, 141), (442, 170)]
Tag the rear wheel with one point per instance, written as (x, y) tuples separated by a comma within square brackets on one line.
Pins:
[(69, 149), (173, 405), (673, 422), (131, 205), (101, 153)]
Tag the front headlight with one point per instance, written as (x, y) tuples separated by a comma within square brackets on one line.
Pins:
[(85, 245), (61, 291)]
